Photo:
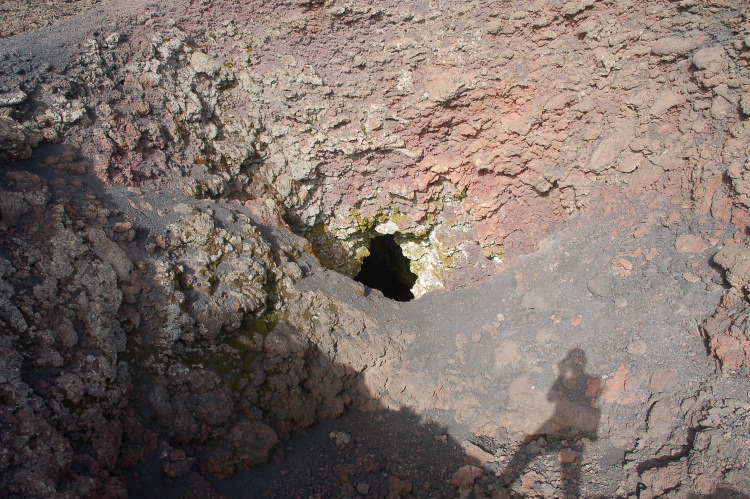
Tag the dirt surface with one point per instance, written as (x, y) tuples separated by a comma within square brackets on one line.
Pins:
[(188, 188), (21, 16)]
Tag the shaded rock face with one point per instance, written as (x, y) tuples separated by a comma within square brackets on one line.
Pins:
[(172, 195)]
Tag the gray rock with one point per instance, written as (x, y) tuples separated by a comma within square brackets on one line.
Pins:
[(600, 286), (537, 300), (12, 98), (202, 64)]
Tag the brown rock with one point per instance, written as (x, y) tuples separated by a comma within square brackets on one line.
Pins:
[(567, 455)]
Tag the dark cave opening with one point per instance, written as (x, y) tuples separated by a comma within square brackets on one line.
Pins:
[(387, 269)]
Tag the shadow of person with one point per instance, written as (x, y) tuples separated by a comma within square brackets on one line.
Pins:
[(576, 416)]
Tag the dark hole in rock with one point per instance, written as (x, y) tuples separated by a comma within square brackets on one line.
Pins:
[(387, 269)]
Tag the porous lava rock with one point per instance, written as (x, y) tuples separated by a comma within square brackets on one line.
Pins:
[(187, 188)]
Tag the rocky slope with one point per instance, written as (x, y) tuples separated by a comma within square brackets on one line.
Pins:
[(188, 187)]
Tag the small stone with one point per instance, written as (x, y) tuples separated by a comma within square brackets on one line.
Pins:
[(567, 455), (688, 243), (721, 108), (690, 277), (663, 379), (478, 455), (363, 488), (398, 487), (536, 300), (576, 321), (112, 40), (623, 266), (465, 476), (447, 87), (547, 490), (709, 58), (605, 154), (599, 286), (638, 347), (122, 226), (342, 439), (202, 63), (631, 162), (745, 104), (664, 102)]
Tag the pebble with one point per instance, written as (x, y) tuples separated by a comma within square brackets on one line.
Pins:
[(600, 286), (689, 243), (566, 455)]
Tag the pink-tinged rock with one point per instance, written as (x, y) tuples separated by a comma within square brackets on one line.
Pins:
[(605, 154), (447, 87), (477, 455), (465, 476), (516, 124), (623, 266), (688, 243), (664, 102), (443, 163), (732, 352), (398, 487)]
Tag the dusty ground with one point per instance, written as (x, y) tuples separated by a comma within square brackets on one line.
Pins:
[(187, 187), (21, 16)]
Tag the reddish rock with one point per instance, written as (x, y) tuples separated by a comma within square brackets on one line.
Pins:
[(465, 476), (688, 243), (398, 488), (623, 266), (567, 455)]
